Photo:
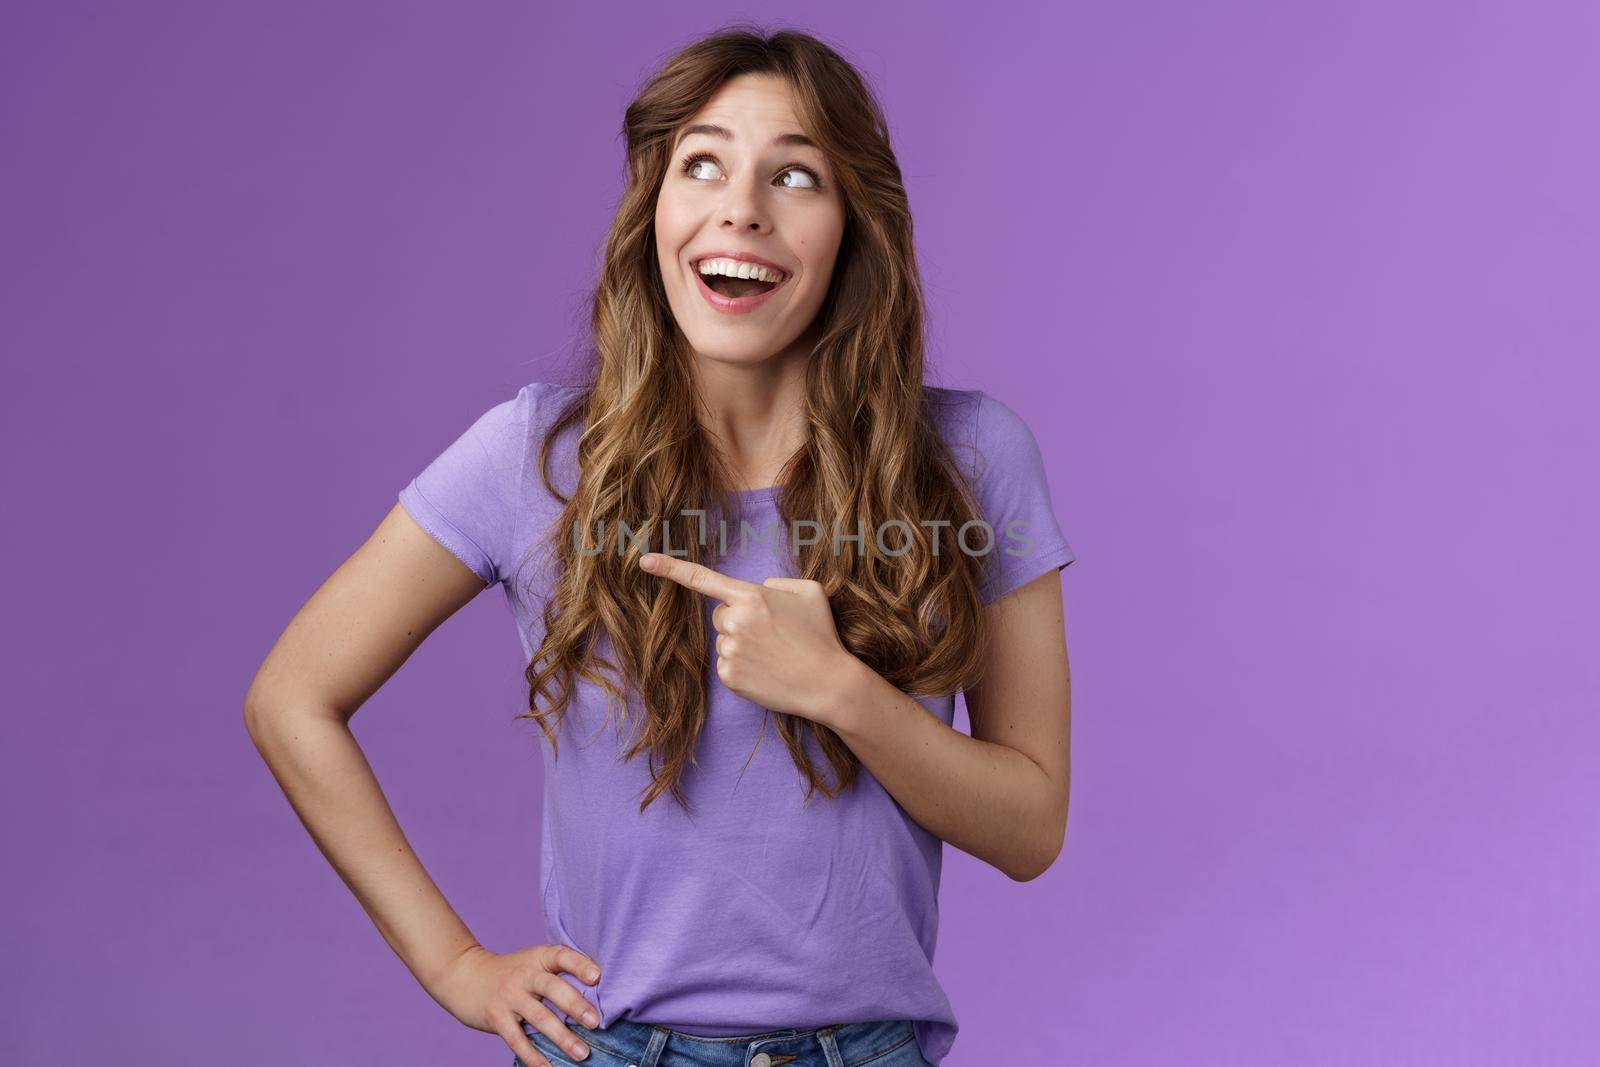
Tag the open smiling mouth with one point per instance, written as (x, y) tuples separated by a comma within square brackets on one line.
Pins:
[(736, 280)]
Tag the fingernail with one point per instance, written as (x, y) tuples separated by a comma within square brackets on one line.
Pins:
[(579, 1052), (590, 1018), (594, 976)]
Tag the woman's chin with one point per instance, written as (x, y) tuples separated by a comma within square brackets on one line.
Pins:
[(740, 350)]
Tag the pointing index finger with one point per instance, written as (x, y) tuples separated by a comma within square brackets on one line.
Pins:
[(695, 576)]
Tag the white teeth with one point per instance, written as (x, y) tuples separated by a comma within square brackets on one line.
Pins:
[(737, 268)]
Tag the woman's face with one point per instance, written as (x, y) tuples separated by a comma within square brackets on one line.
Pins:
[(751, 184)]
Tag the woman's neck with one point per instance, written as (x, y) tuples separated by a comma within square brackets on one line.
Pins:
[(755, 413)]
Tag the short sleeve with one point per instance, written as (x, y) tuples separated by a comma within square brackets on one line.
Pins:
[(468, 499), (1014, 496)]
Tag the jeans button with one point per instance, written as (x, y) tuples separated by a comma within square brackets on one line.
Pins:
[(761, 1059)]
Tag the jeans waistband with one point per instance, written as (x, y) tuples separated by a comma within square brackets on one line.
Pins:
[(648, 1045)]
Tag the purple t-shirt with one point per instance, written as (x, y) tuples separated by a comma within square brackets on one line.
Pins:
[(754, 912)]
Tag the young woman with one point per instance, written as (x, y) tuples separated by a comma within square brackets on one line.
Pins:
[(757, 371)]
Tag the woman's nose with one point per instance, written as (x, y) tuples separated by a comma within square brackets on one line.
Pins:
[(743, 210)]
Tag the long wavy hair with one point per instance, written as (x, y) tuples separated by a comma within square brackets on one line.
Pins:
[(873, 449)]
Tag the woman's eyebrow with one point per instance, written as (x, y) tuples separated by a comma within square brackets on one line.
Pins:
[(713, 130)]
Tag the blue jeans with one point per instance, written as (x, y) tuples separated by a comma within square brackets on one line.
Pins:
[(626, 1043)]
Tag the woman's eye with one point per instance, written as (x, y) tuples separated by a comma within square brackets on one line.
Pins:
[(811, 179), (693, 163), (689, 167)]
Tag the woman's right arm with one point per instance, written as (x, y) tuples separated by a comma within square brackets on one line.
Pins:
[(347, 640)]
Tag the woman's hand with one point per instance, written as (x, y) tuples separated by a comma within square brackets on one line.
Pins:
[(776, 642), (493, 992)]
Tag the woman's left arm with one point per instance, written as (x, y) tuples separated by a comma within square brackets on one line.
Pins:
[(1000, 794)]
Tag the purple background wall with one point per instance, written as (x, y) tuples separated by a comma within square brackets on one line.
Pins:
[(1299, 299)]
